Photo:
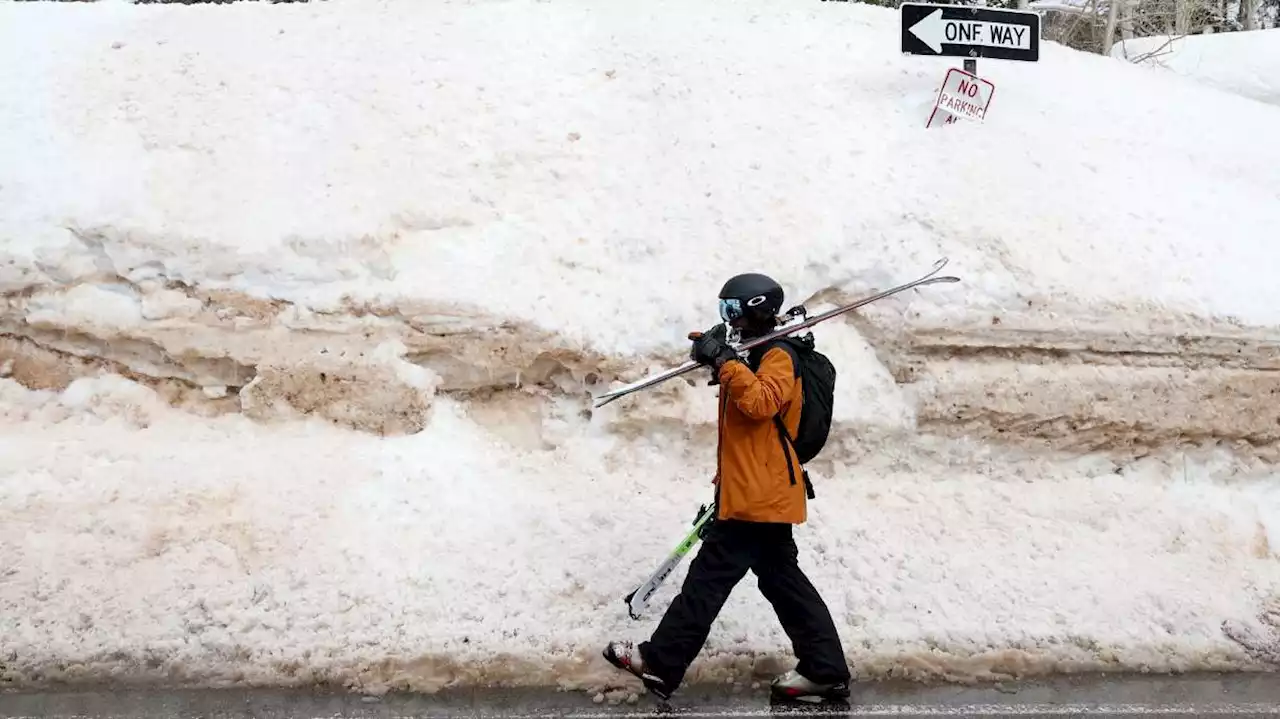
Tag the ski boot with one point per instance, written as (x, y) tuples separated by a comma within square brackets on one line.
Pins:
[(626, 656), (792, 686)]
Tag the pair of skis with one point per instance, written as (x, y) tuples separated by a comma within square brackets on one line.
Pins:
[(638, 599), (799, 320)]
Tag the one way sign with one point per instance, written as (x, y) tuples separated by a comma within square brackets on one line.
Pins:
[(963, 31)]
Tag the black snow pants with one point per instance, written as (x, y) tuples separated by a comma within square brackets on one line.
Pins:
[(729, 549)]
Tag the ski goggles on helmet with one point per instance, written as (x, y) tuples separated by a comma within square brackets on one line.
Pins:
[(730, 309)]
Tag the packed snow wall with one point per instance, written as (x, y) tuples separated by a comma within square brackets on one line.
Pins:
[(304, 307)]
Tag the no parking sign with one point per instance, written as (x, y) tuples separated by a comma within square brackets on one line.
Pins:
[(962, 96)]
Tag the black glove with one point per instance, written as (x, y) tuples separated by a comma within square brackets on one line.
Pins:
[(702, 533), (712, 348)]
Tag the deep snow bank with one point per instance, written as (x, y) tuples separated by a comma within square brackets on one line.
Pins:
[(296, 228), (1244, 63), (225, 551)]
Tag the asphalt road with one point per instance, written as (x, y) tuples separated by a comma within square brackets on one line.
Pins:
[(1239, 696)]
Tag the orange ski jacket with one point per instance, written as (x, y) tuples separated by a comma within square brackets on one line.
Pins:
[(758, 475)]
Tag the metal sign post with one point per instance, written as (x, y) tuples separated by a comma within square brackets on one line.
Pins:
[(934, 30)]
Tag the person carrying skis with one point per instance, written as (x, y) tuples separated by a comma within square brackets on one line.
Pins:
[(758, 502)]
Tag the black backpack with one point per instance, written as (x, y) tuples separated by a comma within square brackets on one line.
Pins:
[(818, 380)]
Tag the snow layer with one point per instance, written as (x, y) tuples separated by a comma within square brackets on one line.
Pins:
[(223, 551), (304, 303), (1244, 63)]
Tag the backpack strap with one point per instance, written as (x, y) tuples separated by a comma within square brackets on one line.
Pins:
[(783, 435), (756, 356), (785, 439)]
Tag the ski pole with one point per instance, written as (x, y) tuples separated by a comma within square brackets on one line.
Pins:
[(638, 599)]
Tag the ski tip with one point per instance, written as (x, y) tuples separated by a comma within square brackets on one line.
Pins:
[(945, 279), (631, 611)]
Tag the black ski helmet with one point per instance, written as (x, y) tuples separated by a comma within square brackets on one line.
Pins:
[(753, 296)]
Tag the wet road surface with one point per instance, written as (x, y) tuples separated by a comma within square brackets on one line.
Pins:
[(1240, 696)]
